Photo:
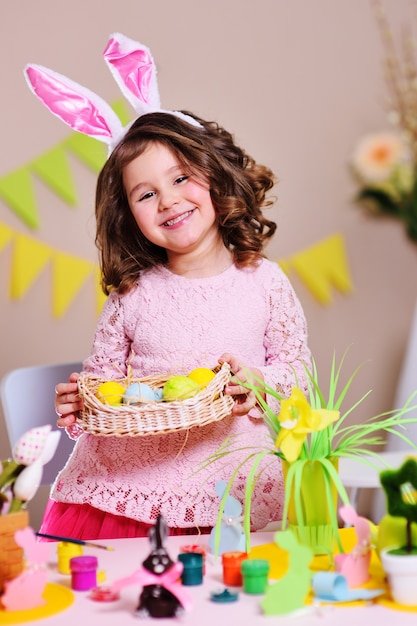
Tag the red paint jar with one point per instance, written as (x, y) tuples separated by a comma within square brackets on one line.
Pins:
[(232, 568)]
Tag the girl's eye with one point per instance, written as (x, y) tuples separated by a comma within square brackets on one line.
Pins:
[(181, 179), (147, 195)]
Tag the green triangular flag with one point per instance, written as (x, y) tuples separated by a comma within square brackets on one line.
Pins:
[(119, 107), (16, 189), (54, 170), (90, 151)]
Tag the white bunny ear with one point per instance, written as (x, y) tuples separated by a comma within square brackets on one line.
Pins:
[(77, 106), (134, 70)]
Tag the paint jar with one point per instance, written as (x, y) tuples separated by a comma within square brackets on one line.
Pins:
[(255, 575), (192, 574), (232, 564), (83, 572), (194, 547), (65, 552)]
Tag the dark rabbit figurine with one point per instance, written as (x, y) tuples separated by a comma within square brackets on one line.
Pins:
[(156, 600), (162, 595)]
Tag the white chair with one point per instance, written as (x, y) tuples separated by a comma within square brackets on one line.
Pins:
[(27, 396)]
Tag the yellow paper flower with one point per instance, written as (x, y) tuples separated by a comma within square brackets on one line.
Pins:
[(297, 419)]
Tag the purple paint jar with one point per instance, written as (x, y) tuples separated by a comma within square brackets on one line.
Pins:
[(83, 572)]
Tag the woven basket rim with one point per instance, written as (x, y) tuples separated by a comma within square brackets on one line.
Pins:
[(152, 418)]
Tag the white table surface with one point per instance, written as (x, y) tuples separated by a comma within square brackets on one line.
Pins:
[(128, 555)]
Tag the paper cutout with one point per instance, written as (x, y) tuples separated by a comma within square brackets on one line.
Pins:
[(6, 236), (355, 565), (289, 594), (88, 150), (53, 168), (68, 276), (28, 260), (26, 590), (322, 266), (333, 587), (16, 189), (231, 535)]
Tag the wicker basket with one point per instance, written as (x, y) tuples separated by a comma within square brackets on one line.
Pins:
[(152, 418)]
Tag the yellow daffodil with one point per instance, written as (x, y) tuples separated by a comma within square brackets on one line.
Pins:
[(297, 419)]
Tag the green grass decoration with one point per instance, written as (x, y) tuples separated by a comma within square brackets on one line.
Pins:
[(325, 446)]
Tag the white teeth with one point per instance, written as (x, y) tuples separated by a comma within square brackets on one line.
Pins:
[(177, 219)]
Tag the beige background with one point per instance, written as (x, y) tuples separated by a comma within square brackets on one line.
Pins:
[(298, 82)]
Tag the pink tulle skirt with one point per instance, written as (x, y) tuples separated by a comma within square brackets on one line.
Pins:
[(82, 521)]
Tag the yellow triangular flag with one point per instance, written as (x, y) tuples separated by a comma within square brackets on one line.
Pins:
[(323, 266), (285, 265), (100, 295), (16, 189), (90, 151), (69, 273), (53, 168), (28, 260), (6, 235)]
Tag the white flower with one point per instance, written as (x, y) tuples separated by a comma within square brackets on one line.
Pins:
[(28, 481), (377, 156)]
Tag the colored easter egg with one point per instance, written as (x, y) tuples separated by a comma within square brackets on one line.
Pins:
[(202, 375), (179, 388), (137, 393), (110, 392)]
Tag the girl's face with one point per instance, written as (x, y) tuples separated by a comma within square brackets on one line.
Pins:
[(172, 209)]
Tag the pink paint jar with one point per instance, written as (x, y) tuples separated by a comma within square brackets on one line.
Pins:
[(83, 572)]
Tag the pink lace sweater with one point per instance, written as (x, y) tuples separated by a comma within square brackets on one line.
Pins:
[(174, 324)]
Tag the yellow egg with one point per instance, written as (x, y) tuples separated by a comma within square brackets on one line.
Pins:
[(179, 388), (111, 393), (202, 375)]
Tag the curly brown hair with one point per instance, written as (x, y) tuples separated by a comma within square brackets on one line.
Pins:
[(238, 188)]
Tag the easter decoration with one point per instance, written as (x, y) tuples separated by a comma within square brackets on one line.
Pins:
[(229, 535), (308, 436), (162, 594), (399, 560), (131, 406), (289, 593), (355, 565), (23, 560)]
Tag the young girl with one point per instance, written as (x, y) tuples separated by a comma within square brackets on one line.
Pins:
[(181, 236)]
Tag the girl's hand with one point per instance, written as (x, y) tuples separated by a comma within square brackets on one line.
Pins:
[(67, 402), (245, 398)]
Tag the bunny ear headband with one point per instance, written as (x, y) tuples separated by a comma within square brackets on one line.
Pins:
[(134, 70)]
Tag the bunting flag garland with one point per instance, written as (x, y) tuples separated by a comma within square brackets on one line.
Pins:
[(16, 189), (29, 258), (69, 273), (322, 267), (68, 276), (52, 167)]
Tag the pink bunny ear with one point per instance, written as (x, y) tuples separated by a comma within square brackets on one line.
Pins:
[(77, 106), (134, 70)]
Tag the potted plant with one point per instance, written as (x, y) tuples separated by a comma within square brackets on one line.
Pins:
[(399, 560), (308, 436)]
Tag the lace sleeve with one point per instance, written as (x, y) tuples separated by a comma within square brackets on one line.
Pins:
[(111, 345), (286, 346)]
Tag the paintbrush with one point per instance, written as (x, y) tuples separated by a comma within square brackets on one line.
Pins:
[(80, 542)]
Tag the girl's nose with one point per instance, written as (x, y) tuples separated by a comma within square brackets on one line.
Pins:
[(168, 198)]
